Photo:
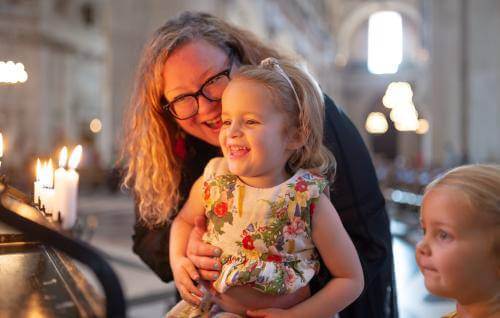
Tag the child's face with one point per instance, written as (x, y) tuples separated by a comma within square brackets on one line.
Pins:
[(252, 135), (455, 255)]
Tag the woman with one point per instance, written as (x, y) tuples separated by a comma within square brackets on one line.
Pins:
[(172, 132)]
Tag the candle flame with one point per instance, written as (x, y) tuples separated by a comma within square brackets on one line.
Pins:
[(38, 169), (75, 157), (63, 157)]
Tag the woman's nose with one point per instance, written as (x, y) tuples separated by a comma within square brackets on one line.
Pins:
[(206, 106)]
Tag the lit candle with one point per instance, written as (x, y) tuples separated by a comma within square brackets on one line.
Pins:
[(60, 187), (69, 218), (47, 190), (38, 182), (43, 181)]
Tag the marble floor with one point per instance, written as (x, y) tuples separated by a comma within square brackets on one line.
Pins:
[(108, 220)]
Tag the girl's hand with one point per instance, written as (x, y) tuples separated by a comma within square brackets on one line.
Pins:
[(268, 313), (184, 275), (204, 256)]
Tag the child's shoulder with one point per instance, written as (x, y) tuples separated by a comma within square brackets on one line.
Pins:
[(307, 175), (216, 167), (307, 180)]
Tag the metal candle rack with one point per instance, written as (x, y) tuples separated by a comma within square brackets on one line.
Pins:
[(17, 211)]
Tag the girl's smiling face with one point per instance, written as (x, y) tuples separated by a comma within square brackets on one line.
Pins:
[(455, 255), (252, 136)]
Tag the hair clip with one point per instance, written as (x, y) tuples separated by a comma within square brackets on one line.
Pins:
[(271, 62)]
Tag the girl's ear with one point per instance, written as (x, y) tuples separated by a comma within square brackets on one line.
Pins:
[(295, 139)]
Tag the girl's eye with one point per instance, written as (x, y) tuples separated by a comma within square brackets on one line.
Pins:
[(422, 229), (251, 122), (442, 235), (226, 123)]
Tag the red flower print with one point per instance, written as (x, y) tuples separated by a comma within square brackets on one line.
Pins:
[(248, 242), (220, 209), (301, 186), (274, 258), (207, 192), (311, 208)]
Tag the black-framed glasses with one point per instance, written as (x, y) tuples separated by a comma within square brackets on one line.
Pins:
[(186, 106)]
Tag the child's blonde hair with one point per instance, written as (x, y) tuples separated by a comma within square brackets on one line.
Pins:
[(153, 171), (480, 185), (298, 95)]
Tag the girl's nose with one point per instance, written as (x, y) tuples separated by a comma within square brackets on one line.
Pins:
[(422, 248), (234, 130)]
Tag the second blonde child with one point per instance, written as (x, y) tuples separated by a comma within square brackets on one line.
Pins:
[(459, 254)]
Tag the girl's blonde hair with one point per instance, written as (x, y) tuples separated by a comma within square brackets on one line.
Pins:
[(480, 185), (298, 96), (153, 171)]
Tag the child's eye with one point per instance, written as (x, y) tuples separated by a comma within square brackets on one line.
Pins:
[(442, 235), (423, 230), (226, 123), (251, 122)]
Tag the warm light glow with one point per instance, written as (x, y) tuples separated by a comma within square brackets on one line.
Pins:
[(405, 117), (75, 157), (376, 123), (63, 157), (12, 73), (423, 126), (402, 112), (399, 98), (38, 169), (385, 42), (397, 93), (95, 125)]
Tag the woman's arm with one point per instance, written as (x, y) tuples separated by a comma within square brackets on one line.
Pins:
[(341, 259)]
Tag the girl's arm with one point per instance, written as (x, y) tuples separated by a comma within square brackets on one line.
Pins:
[(341, 259), (182, 268)]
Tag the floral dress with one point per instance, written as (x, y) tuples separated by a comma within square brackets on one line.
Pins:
[(264, 233)]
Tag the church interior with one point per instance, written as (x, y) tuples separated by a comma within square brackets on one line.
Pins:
[(420, 80)]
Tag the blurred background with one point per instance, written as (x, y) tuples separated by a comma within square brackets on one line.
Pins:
[(419, 78)]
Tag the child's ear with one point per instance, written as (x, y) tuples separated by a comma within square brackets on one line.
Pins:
[(295, 139)]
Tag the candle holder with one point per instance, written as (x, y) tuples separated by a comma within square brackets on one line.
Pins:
[(19, 212)]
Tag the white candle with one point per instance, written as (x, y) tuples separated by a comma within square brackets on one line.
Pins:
[(69, 217), (60, 186), (38, 183), (47, 192), (43, 172)]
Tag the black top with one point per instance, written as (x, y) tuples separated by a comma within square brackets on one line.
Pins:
[(356, 195)]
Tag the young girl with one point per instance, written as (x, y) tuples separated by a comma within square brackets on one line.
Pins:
[(265, 205), (459, 254)]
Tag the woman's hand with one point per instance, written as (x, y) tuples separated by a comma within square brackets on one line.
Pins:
[(204, 256), (184, 275)]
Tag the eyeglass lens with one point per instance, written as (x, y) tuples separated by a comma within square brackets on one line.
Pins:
[(187, 106)]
